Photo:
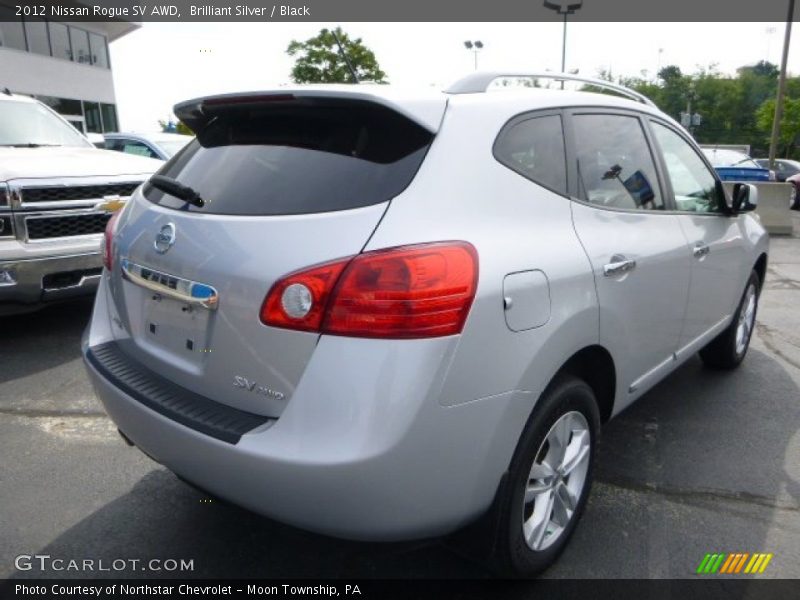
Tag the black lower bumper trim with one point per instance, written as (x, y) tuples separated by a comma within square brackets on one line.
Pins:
[(169, 399)]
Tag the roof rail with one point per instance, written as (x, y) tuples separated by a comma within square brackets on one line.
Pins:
[(477, 83)]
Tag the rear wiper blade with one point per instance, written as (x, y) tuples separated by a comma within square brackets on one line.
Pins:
[(173, 187)]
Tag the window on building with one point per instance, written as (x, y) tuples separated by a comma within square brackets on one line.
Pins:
[(63, 106), (36, 33), (91, 112), (109, 113), (80, 45), (99, 51), (59, 41), (12, 34)]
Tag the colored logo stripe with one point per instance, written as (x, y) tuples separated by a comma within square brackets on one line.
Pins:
[(734, 563)]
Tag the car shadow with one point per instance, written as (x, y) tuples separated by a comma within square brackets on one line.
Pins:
[(698, 440)]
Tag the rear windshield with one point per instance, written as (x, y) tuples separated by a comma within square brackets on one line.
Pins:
[(297, 159)]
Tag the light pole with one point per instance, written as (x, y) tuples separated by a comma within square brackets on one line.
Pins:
[(776, 122), (476, 47), (565, 8)]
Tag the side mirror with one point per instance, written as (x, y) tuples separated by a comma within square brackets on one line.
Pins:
[(745, 197)]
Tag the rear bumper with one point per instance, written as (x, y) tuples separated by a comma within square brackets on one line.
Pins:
[(372, 457), (26, 283)]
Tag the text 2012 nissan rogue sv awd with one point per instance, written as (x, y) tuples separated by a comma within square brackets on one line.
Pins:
[(384, 316)]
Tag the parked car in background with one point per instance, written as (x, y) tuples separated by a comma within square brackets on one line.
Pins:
[(795, 181), (152, 145), (784, 167), (57, 193), (316, 313), (97, 140), (733, 165)]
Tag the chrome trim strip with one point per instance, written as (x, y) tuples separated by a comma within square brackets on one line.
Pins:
[(84, 280), (185, 290)]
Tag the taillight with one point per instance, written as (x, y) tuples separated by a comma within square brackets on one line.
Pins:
[(407, 292), (108, 241), (298, 300)]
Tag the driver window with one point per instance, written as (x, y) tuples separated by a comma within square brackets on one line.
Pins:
[(692, 182), (615, 167)]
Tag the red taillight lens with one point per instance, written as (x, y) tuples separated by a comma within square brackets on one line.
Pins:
[(408, 292), (318, 283), (108, 241)]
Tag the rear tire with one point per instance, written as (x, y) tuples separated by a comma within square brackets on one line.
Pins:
[(549, 479), (729, 348)]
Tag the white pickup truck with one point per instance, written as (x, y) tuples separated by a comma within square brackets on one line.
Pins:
[(57, 192)]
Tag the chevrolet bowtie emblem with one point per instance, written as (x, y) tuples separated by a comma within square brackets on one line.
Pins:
[(110, 204)]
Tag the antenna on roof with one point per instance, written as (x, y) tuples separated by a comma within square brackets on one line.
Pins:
[(344, 56)]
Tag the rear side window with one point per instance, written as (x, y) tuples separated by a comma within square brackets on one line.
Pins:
[(302, 159), (615, 167), (534, 148)]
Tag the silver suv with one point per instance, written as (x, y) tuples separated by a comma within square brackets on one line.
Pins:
[(384, 315)]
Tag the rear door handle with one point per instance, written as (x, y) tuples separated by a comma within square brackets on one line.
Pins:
[(618, 266), (701, 249)]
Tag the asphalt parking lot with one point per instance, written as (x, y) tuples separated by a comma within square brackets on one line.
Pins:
[(705, 462)]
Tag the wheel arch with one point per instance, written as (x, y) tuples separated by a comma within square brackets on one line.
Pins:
[(594, 365), (760, 267)]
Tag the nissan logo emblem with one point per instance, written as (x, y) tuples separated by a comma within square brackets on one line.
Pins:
[(165, 238)]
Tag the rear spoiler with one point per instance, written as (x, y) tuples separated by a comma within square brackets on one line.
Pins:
[(426, 110)]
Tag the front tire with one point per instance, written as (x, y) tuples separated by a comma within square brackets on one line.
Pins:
[(549, 479), (729, 348)]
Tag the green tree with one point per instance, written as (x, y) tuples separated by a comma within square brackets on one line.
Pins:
[(318, 60), (180, 127), (790, 124)]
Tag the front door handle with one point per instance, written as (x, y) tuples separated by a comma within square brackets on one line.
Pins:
[(701, 249), (618, 265)]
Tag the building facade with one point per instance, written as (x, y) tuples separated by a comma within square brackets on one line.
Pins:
[(65, 65)]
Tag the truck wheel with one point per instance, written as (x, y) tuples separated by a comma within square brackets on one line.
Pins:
[(549, 479), (727, 350)]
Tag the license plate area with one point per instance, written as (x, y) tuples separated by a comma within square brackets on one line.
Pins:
[(179, 328)]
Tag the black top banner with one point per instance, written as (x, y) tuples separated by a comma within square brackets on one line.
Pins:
[(404, 10)]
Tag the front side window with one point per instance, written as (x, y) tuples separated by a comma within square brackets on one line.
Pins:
[(137, 148), (614, 164), (693, 184), (534, 148)]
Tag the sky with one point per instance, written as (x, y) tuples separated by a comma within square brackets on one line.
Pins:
[(164, 63)]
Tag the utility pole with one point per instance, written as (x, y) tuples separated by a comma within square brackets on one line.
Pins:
[(776, 123)]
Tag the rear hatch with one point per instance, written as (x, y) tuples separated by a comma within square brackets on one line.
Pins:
[(288, 181)]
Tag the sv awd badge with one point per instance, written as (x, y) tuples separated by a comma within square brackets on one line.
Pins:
[(243, 383)]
